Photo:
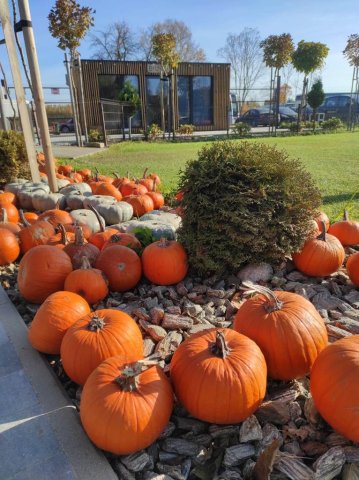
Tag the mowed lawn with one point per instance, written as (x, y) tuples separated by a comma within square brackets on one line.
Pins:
[(332, 159)]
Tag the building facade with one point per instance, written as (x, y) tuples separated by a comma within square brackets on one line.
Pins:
[(201, 92)]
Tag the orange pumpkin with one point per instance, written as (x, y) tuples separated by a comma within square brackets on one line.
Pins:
[(36, 234), (346, 231), (81, 248), (141, 204), (31, 217), (62, 238), (335, 388), (122, 267), (42, 271), (59, 311), (86, 173), (124, 408), (9, 247), (6, 198), (119, 181), (101, 237), (152, 176), (56, 216), (4, 223), (11, 212), (126, 239), (108, 189), (219, 376), (157, 197), (97, 336), (65, 170), (88, 282), (286, 327), (353, 268), (320, 256), (322, 217), (127, 187), (164, 262)]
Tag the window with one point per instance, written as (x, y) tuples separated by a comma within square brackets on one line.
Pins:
[(153, 92), (110, 87), (195, 100)]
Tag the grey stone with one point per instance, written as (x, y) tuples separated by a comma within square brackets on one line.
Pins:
[(238, 454), (150, 302), (329, 465), (173, 322), (250, 430), (136, 462), (156, 315), (181, 446), (255, 273)]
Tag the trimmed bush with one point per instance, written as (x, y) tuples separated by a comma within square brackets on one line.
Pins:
[(13, 156), (331, 124), (244, 202), (241, 128)]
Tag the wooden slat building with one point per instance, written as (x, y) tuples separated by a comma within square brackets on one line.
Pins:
[(201, 92)]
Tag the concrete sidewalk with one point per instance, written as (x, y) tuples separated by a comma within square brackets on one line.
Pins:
[(40, 432)]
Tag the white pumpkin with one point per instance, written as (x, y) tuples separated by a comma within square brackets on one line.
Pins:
[(116, 213), (43, 201), (80, 187), (86, 217)]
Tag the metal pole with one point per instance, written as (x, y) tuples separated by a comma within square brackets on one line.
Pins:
[(77, 122), (19, 89), (103, 124), (72, 98), (30, 46), (4, 123), (82, 99)]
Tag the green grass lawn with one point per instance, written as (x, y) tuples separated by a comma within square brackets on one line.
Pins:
[(333, 161)]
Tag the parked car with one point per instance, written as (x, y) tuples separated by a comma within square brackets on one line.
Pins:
[(263, 116), (67, 127)]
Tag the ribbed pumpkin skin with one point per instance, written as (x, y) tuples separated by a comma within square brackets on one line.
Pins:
[(335, 388), (346, 231), (125, 422), (122, 266), (353, 268), (58, 312), (290, 338), (89, 283), (82, 350), (320, 258), (12, 212), (214, 389), (56, 216), (141, 204), (36, 234), (164, 262), (42, 271), (9, 247)]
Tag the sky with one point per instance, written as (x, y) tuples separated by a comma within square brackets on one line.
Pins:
[(210, 21)]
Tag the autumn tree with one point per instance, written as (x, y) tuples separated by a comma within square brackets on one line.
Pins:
[(308, 57), (243, 52), (69, 23), (116, 42), (165, 52), (187, 50), (316, 97)]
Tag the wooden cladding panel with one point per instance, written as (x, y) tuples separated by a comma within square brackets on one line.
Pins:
[(220, 73)]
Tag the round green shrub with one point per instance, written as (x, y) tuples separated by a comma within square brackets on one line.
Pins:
[(13, 157), (244, 202)]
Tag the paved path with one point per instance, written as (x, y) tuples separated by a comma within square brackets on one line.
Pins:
[(41, 437)]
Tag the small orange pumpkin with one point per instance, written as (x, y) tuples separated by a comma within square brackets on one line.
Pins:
[(353, 268), (126, 239), (9, 247), (141, 204), (108, 189), (4, 223), (346, 231)]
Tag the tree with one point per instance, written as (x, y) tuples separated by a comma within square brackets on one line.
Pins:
[(351, 51), (186, 49), (164, 51), (129, 94), (69, 23), (308, 57), (243, 51), (116, 42), (316, 97)]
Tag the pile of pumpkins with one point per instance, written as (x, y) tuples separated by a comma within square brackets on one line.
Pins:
[(218, 375)]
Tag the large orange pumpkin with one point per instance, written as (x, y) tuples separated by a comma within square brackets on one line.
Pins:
[(97, 336), (42, 271), (347, 231), (335, 388), (219, 376), (125, 408), (9, 247), (164, 262), (56, 216), (108, 189), (36, 234), (58, 312), (141, 204), (122, 267), (286, 327), (353, 268), (320, 256), (88, 282)]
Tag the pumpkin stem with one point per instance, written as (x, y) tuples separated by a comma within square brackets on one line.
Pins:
[(323, 233), (4, 218), (115, 238), (154, 185), (64, 239), (274, 302), (99, 219), (219, 348), (57, 205), (346, 215), (23, 219), (164, 242), (79, 236), (145, 173), (115, 175), (128, 378), (85, 263), (96, 324)]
